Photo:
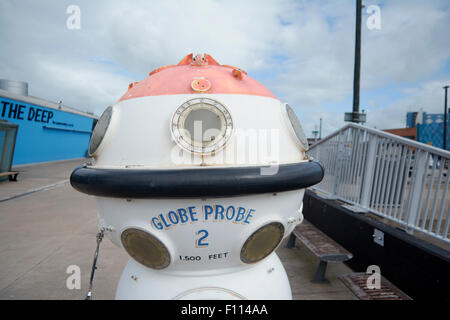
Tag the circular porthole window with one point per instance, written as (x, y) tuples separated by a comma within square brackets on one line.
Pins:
[(297, 127), (262, 242), (100, 130), (145, 248), (201, 125)]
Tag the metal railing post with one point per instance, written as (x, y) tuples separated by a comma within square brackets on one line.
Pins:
[(339, 159), (414, 208), (367, 183)]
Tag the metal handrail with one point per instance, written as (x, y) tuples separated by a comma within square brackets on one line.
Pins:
[(409, 142), (401, 180)]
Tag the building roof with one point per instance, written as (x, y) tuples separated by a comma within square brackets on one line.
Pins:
[(44, 103), (404, 132)]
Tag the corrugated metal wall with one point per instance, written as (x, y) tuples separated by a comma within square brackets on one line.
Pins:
[(431, 130)]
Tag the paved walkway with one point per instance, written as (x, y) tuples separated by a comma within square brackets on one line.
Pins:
[(42, 233), (36, 177)]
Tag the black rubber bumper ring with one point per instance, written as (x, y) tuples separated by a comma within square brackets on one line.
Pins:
[(194, 183)]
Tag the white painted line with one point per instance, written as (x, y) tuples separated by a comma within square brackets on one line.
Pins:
[(31, 191)]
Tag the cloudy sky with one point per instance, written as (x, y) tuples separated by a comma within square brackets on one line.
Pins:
[(303, 50)]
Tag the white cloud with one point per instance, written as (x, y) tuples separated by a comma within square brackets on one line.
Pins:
[(429, 96), (304, 49), (412, 43)]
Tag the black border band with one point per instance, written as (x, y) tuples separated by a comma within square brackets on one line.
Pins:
[(193, 183)]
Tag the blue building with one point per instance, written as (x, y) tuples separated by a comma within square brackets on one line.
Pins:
[(430, 129), (47, 131), (411, 119)]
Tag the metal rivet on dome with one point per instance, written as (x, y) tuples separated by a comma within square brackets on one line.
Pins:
[(237, 73), (131, 85)]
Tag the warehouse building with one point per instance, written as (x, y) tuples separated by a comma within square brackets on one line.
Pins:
[(46, 131), (430, 128), (424, 127)]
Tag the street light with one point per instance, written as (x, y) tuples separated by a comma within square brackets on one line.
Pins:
[(356, 116)]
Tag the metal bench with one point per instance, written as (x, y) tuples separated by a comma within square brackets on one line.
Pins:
[(11, 174), (357, 283), (325, 248)]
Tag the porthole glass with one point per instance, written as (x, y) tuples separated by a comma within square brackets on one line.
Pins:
[(99, 131), (262, 242), (145, 248), (209, 121), (297, 127)]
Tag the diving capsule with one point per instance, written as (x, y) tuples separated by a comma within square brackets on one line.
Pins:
[(199, 173)]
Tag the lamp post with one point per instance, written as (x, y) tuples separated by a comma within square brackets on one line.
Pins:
[(445, 118), (357, 70), (356, 116), (320, 131)]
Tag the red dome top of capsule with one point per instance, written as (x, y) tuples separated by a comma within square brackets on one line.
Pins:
[(196, 74)]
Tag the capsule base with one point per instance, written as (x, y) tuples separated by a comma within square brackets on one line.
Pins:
[(266, 280)]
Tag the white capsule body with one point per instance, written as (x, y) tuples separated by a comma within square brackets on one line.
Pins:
[(204, 236)]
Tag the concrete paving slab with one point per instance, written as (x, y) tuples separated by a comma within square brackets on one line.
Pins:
[(44, 233), (37, 176)]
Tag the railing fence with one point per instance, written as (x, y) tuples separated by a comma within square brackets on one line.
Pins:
[(390, 176)]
